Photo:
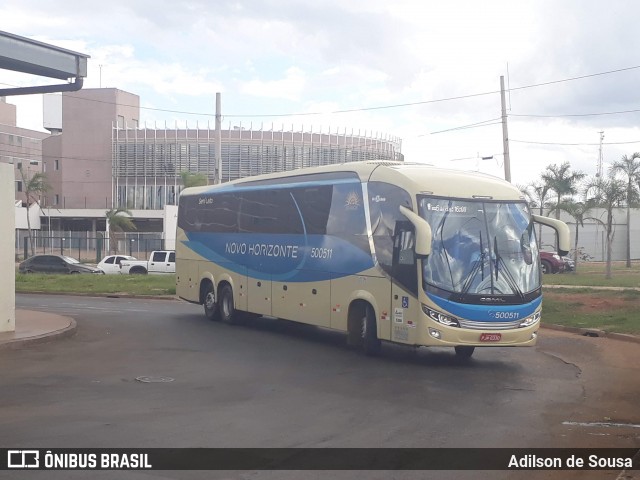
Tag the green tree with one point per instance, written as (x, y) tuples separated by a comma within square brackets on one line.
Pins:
[(562, 181), (580, 212), (629, 167), (118, 222), (191, 179), (34, 187), (538, 195), (607, 193)]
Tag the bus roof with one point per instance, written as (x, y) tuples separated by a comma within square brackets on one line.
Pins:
[(413, 177)]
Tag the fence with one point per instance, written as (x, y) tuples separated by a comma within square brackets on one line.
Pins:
[(88, 246)]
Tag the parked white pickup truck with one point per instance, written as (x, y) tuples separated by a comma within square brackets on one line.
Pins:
[(160, 261)]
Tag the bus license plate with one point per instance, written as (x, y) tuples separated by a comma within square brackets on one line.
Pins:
[(490, 337)]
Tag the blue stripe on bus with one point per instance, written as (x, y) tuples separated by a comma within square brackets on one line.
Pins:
[(295, 258), (486, 313)]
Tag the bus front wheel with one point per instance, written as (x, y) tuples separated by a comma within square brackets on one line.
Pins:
[(210, 305), (371, 344), (464, 351)]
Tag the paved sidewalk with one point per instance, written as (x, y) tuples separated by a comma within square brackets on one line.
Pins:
[(36, 327)]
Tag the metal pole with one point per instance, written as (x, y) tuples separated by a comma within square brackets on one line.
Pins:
[(218, 139), (505, 134)]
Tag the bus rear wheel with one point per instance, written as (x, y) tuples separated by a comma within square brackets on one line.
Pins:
[(371, 344), (464, 351), (227, 310)]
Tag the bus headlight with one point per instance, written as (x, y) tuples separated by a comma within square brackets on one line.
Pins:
[(440, 317), (527, 322)]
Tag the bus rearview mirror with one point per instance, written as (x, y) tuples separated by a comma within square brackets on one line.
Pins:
[(562, 231), (423, 232)]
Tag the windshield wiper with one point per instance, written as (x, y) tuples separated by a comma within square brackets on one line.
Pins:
[(474, 271), (505, 270)]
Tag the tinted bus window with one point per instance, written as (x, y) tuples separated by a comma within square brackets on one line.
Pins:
[(314, 204), (269, 211), (209, 213)]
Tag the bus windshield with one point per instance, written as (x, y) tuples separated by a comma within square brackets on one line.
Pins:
[(480, 247)]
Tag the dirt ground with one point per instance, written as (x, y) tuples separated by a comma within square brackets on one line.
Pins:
[(609, 413), (609, 371)]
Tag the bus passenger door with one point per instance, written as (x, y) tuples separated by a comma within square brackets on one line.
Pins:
[(405, 308), (259, 296)]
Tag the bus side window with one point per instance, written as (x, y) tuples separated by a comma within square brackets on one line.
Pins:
[(384, 200), (404, 260), (346, 217), (405, 242)]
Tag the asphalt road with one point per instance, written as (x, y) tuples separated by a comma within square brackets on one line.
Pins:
[(277, 384)]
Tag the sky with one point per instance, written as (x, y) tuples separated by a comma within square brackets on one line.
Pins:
[(414, 69)]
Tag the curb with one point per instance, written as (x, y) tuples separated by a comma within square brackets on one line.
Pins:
[(102, 295), (590, 287), (38, 339)]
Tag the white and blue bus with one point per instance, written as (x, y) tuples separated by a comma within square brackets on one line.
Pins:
[(405, 253)]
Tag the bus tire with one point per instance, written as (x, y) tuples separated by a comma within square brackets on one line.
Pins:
[(371, 344), (209, 302), (464, 351), (226, 307)]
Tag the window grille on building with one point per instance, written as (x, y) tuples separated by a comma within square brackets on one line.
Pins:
[(147, 162)]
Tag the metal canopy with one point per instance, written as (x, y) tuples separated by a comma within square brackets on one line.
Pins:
[(24, 55)]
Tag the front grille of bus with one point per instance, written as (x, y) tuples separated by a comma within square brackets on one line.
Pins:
[(472, 325)]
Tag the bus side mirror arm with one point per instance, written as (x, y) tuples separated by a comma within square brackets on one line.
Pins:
[(562, 230), (423, 232)]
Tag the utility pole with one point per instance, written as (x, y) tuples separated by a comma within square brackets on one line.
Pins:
[(599, 170), (218, 177), (505, 134)]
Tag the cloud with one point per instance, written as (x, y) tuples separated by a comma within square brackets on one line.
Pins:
[(290, 87), (273, 57)]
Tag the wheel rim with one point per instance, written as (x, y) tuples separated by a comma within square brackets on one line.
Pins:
[(209, 301)]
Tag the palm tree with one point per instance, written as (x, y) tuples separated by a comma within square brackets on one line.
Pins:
[(607, 193), (191, 179), (538, 197), (118, 223), (33, 187), (562, 181), (579, 211), (630, 168)]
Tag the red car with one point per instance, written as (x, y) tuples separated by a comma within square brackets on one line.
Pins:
[(551, 262)]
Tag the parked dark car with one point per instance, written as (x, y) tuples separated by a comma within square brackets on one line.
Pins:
[(55, 264), (551, 262)]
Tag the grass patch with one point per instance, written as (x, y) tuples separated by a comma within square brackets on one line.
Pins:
[(593, 275), (97, 284), (611, 311)]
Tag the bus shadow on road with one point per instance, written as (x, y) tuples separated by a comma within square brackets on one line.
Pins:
[(484, 358)]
